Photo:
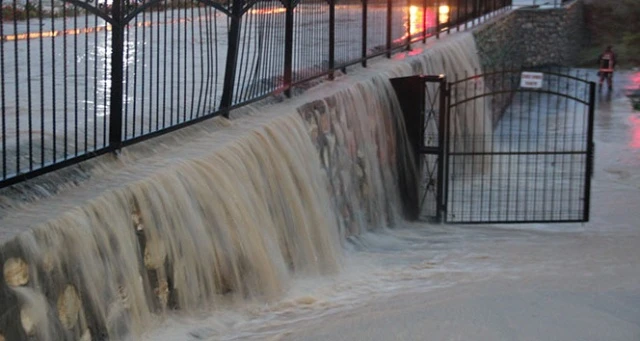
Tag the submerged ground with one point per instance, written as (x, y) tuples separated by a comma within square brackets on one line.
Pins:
[(453, 282), (422, 281)]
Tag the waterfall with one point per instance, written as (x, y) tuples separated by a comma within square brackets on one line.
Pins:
[(229, 225), (470, 124), (229, 217)]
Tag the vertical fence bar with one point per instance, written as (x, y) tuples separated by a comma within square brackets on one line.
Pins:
[(117, 56), (409, 28), (16, 59), (437, 15), (64, 87), (448, 3), (467, 12), (3, 109), (364, 32), (590, 152), (424, 21), (389, 24), (474, 12), (29, 106), (448, 88), (232, 57), (332, 38), (288, 48), (443, 113), (458, 15)]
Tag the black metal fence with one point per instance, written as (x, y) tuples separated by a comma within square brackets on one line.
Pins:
[(82, 78), (507, 146), (554, 3)]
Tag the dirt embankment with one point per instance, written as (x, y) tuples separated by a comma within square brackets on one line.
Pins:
[(613, 22)]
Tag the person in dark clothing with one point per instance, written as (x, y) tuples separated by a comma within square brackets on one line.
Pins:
[(607, 63)]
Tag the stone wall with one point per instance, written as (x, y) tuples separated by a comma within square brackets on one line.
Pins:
[(528, 37), (533, 36)]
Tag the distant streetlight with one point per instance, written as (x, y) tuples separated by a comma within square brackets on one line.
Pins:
[(443, 14)]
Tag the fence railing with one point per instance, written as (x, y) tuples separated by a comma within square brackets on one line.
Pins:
[(542, 3), (82, 78)]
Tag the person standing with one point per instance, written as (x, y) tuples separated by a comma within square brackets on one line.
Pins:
[(607, 63)]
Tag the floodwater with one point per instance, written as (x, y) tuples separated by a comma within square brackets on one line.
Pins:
[(233, 216), (483, 282)]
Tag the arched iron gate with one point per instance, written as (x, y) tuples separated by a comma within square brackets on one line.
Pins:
[(502, 147)]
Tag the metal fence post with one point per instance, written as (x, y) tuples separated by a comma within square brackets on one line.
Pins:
[(288, 48), (590, 151), (474, 13), (458, 15), (364, 33), (409, 28), (424, 21), (332, 38), (437, 5), (449, 13), (466, 14), (117, 62), (232, 57), (389, 24), (442, 134)]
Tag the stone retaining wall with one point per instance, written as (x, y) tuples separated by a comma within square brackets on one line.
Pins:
[(533, 37), (529, 37)]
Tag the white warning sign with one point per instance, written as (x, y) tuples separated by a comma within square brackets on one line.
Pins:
[(531, 80)]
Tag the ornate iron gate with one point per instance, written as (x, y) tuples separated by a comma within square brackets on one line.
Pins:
[(506, 147)]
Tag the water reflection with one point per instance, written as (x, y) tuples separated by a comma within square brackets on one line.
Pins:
[(419, 20), (635, 131), (604, 110), (633, 91), (103, 90), (415, 24)]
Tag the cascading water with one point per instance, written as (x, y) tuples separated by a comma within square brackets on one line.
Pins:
[(228, 225), (458, 59), (233, 219)]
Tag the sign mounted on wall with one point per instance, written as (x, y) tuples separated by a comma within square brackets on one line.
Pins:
[(531, 80)]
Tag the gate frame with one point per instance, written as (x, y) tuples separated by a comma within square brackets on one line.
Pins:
[(411, 92)]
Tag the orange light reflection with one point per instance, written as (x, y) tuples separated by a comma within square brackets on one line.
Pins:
[(50, 34), (416, 22), (268, 10)]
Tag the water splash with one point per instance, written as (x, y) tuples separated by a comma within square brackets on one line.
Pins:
[(457, 58)]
